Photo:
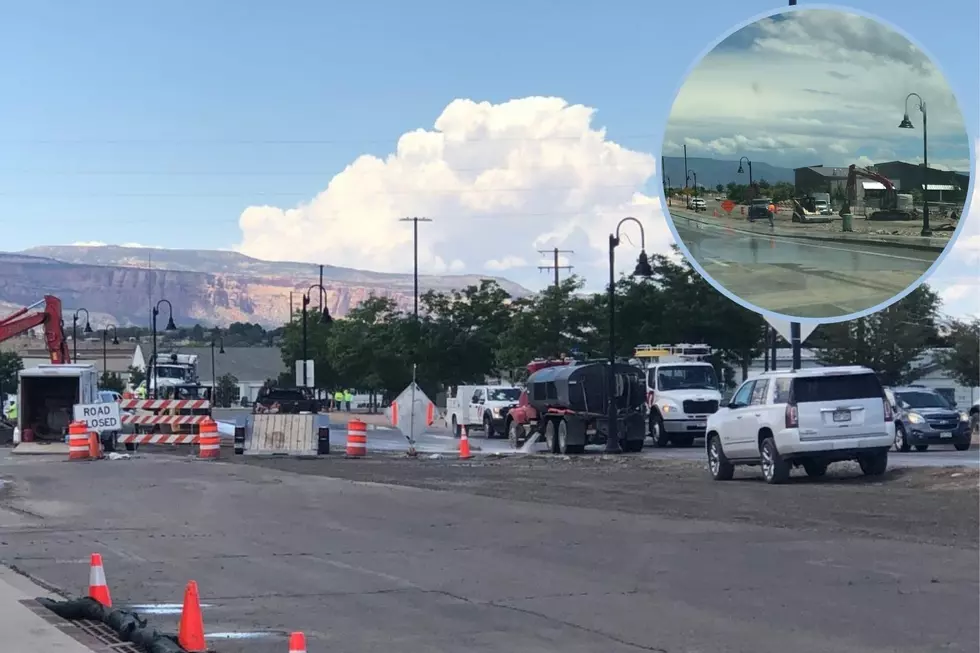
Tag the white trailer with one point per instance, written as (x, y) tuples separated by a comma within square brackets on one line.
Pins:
[(46, 396)]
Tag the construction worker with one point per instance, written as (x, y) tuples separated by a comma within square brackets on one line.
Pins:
[(772, 214), (338, 399), (10, 412), (141, 391), (348, 398)]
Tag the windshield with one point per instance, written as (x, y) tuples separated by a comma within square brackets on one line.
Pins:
[(921, 400), (171, 372), (505, 394), (687, 377)]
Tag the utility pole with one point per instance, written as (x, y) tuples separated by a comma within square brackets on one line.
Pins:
[(687, 175), (321, 285), (415, 240), (557, 267)]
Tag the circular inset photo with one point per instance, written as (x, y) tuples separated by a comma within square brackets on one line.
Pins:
[(815, 165)]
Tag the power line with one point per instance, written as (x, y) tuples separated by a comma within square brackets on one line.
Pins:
[(299, 141)]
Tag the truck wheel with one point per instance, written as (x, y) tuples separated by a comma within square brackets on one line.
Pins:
[(873, 464), (455, 426), (814, 468), (901, 441), (551, 436), (774, 469), (657, 431), (962, 446), (563, 446), (488, 427), (516, 434), (721, 469)]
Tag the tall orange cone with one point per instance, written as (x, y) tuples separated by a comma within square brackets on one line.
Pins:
[(297, 643), (191, 633), (464, 444), (97, 587)]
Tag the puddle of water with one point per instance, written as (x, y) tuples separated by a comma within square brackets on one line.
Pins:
[(161, 608)]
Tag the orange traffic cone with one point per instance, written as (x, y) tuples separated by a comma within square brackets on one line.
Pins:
[(191, 633), (97, 587), (297, 643), (464, 444)]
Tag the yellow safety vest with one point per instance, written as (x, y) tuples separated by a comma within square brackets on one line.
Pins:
[(348, 396), (338, 396), (12, 412)]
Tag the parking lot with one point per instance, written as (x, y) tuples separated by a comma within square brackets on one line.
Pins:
[(533, 553)]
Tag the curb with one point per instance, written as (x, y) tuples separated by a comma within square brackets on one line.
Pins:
[(885, 241)]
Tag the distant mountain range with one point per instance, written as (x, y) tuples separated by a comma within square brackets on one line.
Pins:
[(117, 284), (711, 172)]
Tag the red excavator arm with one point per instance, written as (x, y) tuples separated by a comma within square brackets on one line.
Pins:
[(25, 319), (889, 201)]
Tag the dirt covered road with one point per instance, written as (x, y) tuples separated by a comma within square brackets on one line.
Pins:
[(932, 505)]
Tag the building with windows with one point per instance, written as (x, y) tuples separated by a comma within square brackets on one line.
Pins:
[(944, 186)]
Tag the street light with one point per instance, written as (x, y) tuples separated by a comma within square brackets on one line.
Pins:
[(170, 327), (74, 331), (907, 124), (215, 333), (642, 269), (691, 173), (741, 171), (105, 352), (324, 319)]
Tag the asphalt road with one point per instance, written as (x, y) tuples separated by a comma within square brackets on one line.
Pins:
[(798, 277), (531, 555)]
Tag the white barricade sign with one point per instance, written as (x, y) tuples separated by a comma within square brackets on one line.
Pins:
[(98, 417)]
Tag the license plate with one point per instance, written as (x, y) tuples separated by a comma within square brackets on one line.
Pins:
[(842, 416), (945, 435)]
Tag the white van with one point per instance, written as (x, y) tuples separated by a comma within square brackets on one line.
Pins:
[(481, 406), (804, 418)]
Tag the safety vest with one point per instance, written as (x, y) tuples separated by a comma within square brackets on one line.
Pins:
[(348, 396), (338, 396), (11, 412), (141, 392)]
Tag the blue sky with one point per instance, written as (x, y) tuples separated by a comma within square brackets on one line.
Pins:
[(161, 123)]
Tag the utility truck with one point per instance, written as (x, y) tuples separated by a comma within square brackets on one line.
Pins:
[(682, 391)]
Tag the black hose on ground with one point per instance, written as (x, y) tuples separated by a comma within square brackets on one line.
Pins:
[(128, 625)]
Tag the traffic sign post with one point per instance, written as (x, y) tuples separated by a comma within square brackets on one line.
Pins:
[(795, 334), (98, 417)]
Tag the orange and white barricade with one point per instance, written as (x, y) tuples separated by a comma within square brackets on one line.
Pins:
[(356, 439), (209, 441), (78, 448)]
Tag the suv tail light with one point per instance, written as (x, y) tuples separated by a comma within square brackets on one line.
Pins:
[(792, 416), (888, 411)]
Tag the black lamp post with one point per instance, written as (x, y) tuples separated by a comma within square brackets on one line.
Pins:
[(691, 173), (215, 334), (742, 171), (642, 269), (907, 124), (105, 350), (667, 189), (170, 327), (74, 332), (324, 319)]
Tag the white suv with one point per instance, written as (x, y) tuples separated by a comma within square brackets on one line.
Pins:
[(804, 418)]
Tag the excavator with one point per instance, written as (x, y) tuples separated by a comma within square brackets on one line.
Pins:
[(50, 317), (894, 206)]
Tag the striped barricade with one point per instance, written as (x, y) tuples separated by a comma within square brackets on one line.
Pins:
[(164, 404), (172, 420), (157, 438)]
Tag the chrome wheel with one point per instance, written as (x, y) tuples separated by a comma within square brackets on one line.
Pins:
[(714, 457), (768, 465), (899, 439)]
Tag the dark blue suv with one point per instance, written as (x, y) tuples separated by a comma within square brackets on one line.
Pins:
[(924, 417)]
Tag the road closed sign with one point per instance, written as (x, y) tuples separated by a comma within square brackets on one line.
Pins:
[(727, 206), (98, 417)]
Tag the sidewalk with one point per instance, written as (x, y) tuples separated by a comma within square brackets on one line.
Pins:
[(24, 630), (792, 230)]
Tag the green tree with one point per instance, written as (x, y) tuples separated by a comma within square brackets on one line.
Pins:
[(962, 359), (890, 341), (10, 365), (111, 381), (720, 188), (226, 391), (136, 375)]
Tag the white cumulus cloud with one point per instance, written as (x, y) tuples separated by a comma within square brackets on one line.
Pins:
[(499, 181)]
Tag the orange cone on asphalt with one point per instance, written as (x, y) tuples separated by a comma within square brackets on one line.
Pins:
[(464, 444), (191, 633), (297, 643), (97, 587)]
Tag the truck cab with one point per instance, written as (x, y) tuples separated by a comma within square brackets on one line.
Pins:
[(481, 406), (682, 392)]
